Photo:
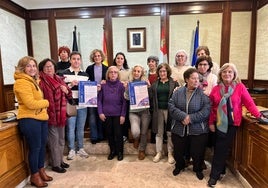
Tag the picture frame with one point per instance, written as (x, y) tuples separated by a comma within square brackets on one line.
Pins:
[(136, 39)]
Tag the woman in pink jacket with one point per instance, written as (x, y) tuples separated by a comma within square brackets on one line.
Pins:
[(227, 99)]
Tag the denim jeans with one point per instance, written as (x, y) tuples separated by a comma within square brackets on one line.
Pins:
[(75, 128), (35, 132), (95, 124), (139, 123)]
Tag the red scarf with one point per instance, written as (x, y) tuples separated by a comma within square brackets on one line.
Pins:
[(57, 99)]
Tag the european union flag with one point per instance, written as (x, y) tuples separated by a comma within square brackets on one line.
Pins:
[(196, 43)]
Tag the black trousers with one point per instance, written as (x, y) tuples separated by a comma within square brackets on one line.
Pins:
[(114, 132), (222, 148), (197, 150)]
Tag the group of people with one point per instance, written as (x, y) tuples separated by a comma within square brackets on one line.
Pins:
[(186, 103)]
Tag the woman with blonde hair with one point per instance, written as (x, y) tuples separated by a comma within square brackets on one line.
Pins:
[(32, 117), (139, 118), (227, 99)]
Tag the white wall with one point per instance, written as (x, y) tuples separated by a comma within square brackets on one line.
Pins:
[(12, 43), (262, 44)]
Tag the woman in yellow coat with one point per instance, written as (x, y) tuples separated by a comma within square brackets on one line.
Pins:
[(32, 117)]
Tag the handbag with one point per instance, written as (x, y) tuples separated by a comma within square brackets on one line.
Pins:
[(71, 110)]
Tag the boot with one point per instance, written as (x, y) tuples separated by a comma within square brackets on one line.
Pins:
[(136, 143), (44, 176), (141, 155), (37, 181), (158, 157)]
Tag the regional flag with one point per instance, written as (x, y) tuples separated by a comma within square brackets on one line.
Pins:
[(163, 47)]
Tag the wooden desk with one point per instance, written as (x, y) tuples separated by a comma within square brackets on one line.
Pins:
[(250, 152), (13, 166)]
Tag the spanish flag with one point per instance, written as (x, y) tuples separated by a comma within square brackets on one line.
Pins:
[(104, 48)]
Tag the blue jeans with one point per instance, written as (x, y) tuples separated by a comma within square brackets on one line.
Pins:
[(95, 124), (35, 132), (75, 125)]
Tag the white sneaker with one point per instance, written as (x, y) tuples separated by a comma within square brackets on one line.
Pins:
[(82, 153), (158, 157), (71, 155), (171, 159)]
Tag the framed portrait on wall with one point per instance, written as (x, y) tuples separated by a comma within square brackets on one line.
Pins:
[(136, 39)]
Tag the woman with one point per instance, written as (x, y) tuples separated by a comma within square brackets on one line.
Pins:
[(96, 72), (189, 109), (139, 118), (32, 117), (56, 92), (160, 93), (120, 62), (227, 99), (207, 79), (152, 62), (64, 63), (112, 111), (180, 66)]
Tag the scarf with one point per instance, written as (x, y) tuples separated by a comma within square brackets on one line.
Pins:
[(57, 99), (203, 80), (222, 112)]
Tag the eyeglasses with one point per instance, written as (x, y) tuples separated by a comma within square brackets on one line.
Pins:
[(47, 67), (179, 55), (113, 72), (202, 64)]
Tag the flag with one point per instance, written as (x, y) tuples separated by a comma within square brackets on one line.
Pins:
[(196, 43), (75, 46), (163, 47), (104, 48)]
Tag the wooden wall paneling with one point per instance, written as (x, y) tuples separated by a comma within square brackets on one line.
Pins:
[(136, 10), (29, 35), (2, 104), (9, 97), (252, 49), (196, 7), (52, 29), (241, 5), (69, 13), (261, 3), (13, 8), (225, 34), (38, 14)]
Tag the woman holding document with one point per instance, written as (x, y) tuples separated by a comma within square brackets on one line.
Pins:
[(139, 117)]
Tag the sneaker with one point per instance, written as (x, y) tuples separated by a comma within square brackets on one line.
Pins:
[(124, 138), (171, 159), (82, 153), (158, 157), (222, 176), (71, 155), (211, 182)]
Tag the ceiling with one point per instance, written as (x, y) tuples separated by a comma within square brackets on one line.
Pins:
[(46, 4)]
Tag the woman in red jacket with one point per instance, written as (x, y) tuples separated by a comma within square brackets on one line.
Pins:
[(227, 99)]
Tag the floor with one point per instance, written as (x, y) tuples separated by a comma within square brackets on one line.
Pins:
[(97, 172)]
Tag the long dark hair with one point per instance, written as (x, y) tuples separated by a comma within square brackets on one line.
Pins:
[(125, 65)]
